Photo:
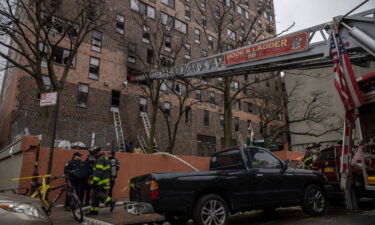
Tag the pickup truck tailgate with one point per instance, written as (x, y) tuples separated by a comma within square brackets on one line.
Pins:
[(140, 188)]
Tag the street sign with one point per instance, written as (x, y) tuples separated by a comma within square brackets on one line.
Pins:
[(47, 99), (279, 46)]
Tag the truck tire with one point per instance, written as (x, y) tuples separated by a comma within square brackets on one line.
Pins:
[(314, 201), (176, 219), (211, 210)]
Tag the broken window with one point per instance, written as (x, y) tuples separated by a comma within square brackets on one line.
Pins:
[(115, 100)]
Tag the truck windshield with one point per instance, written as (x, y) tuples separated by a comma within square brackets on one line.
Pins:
[(228, 160)]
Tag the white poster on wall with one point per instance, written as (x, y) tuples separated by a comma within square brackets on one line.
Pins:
[(47, 99)]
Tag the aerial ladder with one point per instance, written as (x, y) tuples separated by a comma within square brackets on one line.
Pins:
[(298, 50)]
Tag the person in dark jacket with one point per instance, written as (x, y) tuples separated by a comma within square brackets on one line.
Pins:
[(73, 172), (89, 164), (100, 182), (115, 166)]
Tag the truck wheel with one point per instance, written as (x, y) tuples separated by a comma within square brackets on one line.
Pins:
[(176, 219), (211, 210), (314, 201)]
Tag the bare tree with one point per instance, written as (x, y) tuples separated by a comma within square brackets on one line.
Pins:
[(180, 92), (163, 51), (232, 26), (308, 111), (43, 33)]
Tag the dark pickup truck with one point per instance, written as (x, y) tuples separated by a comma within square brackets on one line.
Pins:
[(239, 179)]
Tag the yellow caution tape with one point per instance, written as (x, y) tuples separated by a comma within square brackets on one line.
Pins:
[(25, 178), (371, 180)]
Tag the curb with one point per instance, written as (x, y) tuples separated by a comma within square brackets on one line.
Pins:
[(91, 221)]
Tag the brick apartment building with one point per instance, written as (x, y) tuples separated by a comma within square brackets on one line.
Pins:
[(96, 84)]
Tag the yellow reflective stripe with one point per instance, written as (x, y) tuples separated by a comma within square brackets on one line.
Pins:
[(107, 200), (98, 166), (94, 208), (103, 181), (96, 178)]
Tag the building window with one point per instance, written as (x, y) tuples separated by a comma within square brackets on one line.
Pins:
[(212, 99), (187, 51), (142, 8), (204, 53), (61, 56), (234, 86), (251, 108), (142, 105), (197, 36), (188, 115), (249, 126), (115, 100), (150, 56), (231, 34), (236, 124), (94, 68), (169, 3), (132, 53), (204, 21), (166, 62), (267, 83), (120, 24), (210, 42), (187, 12), (244, 13), (203, 5), (221, 118), (168, 43), (180, 88), (231, 20), (167, 110), (180, 26), (96, 41), (146, 34), (217, 12), (166, 20), (237, 105), (206, 118), (198, 95), (83, 93)]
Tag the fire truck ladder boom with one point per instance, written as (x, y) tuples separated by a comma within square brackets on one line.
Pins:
[(357, 32)]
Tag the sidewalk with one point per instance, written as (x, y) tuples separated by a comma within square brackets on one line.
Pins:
[(119, 216)]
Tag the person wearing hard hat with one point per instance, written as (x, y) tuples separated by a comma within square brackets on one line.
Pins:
[(100, 182)]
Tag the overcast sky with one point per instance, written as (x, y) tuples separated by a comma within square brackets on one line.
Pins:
[(307, 13)]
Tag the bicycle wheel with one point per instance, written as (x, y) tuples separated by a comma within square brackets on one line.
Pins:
[(76, 208)]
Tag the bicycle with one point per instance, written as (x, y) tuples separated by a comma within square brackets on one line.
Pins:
[(42, 190)]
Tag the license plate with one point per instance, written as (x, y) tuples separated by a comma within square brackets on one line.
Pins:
[(329, 170)]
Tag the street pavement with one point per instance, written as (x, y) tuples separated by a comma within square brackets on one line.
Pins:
[(287, 216)]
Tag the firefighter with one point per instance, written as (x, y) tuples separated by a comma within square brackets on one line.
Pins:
[(308, 158), (115, 166), (100, 182)]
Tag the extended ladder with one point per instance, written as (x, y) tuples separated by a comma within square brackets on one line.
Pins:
[(142, 143), (240, 138), (147, 126), (118, 129)]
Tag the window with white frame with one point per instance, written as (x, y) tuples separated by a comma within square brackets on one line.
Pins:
[(142, 104), (180, 88), (187, 12), (234, 86), (94, 68), (187, 51), (244, 13), (167, 110), (204, 21), (166, 20), (203, 5), (180, 26), (146, 34), (96, 41), (142, 8), (197, 36), (231, 34), (120, 24), (169, 3), (210, 41), (168, 43), (204, 53), (82, 96)]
